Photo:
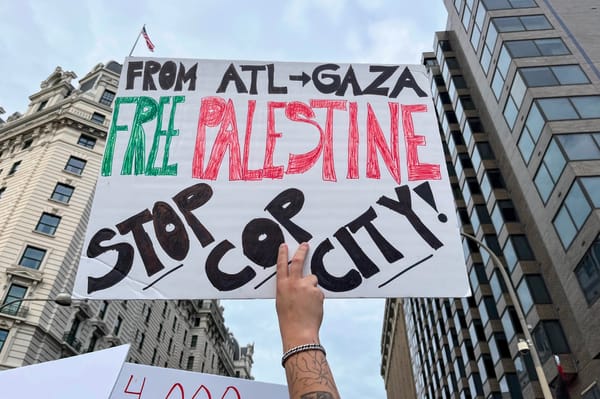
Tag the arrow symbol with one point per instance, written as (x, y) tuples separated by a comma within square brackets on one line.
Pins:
[(304, 78)]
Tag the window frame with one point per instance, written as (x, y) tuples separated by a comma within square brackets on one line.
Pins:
[(62, 197), (36, 263), (73, 169), (51, 230)]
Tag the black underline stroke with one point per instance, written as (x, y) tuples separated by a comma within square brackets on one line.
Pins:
[(161, 277), (407, 269), (268, 278)]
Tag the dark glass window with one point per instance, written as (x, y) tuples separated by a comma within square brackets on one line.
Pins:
[(107, 97), (3, 335), (549, 339), (588, 272), (13, 169), (98, 118), (536, 48), (75, 165), (86, 141), (48, 223), (32, 257), (522, 23), (15, 292), (62, 192), (506, 4)]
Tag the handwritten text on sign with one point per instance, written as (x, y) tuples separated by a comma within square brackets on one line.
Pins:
[(147, 382), (210, 165)]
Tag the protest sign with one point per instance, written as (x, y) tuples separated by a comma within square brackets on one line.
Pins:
[(146, 382), (210, 165), (91, 376)]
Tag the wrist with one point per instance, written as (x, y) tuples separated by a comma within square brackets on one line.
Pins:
[(293, 340)]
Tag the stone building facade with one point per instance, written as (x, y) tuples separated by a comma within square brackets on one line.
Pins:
[(50, 158)]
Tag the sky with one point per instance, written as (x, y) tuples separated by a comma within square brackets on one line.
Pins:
[(38, 36)]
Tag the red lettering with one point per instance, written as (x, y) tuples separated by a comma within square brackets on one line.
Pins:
[(353, 142), (227, 138), (328, 161), (139, 394), (300, 163), (249, 174), (181, 391), (416, 170), (229, 389), (211, 114), (270, 171), (202, 389), (376, 140)]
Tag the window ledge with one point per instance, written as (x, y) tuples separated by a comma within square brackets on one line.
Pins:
[(25, 273), (44, 234)]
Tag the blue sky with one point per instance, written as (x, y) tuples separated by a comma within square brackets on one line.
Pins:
[(38, 36)]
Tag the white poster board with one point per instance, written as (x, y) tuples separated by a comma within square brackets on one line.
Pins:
[(91, 376), (210, 165), (146, 382)]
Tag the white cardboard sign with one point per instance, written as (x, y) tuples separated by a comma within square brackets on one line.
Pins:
[(210, 165), (90, 376), (146, 382)]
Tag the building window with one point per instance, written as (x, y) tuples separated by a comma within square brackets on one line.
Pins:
[(32, 257), (47, 224), (506, 4), (86, 141), (118, 324), (42, 105), (194, 341), (62, 193), (141, 344), (2, 190), (98, 118), (27, 144), (549, 339), (13, 169), (107, 98), (537, 48), (93, 342), (534, 124), (504, 212), (15, 293), (190, 363), (553, 75), (510, 386), (488, 48), (532, 290), (522, 23), (3, 336), (103, 309), (588, 273), (517, 249), (550, 170), (572, 214), (75, 165)]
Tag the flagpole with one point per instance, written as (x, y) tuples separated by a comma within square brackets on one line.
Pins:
[(136, 40)]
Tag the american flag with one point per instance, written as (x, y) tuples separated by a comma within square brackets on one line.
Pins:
[(147, 39)]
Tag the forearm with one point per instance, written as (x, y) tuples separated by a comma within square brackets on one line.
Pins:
[(309, 376)]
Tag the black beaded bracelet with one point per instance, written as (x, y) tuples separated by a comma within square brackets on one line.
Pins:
[(301, 348)]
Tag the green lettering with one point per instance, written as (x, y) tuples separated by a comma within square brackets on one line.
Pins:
[(145, 111), (165, 169), (112, 135)]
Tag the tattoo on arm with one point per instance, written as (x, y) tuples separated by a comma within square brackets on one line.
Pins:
[(310, 371)]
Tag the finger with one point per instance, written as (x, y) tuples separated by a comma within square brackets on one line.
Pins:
[(282, 262), (312, 279), (298, 261)]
